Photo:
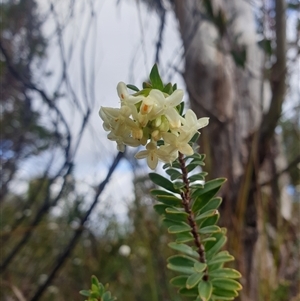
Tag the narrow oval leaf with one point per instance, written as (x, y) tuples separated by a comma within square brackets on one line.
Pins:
[(180, 269), (212, 204), (179, 228), (163, 182), (189, 292), (184, 237), (203, 240), (156, 192), (160, 208), (206, 214), (133, 87), (168, 89), (193, 280), (198, 177), (88, 293), (156, 79), (169, 200), (179, 211), (209, 229), (179, 185), (225, 273), (182, 260), (174, 174), (200, 266), (221, 294), (169, 222), (180, 239), (183, 249), (227, 284), (176, 217), (179, 281), (205, 290), (202, 196), (221, 257), (211, 250), (212, 220)]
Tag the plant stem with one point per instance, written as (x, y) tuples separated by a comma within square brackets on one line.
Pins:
[(186, 202)]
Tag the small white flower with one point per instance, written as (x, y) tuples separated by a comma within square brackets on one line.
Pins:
[(150, 153), (123, 140), (192, 124), (166, 106), (180, 142), (125, 97)]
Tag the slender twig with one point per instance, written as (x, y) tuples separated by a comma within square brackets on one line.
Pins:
[(71, 245), (186, 201)]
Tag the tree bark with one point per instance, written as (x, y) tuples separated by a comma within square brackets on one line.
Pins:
[(237, 100)]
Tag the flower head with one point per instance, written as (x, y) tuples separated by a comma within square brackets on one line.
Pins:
[(150, 117)]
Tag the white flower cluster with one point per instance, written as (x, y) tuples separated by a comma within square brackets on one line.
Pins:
[(145, 119)]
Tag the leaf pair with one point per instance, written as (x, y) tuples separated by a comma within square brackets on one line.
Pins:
[(97, 292)]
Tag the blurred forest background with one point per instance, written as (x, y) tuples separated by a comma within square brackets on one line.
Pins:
[(239, 62)]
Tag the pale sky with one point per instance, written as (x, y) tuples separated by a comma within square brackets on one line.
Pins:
[(120, 46)]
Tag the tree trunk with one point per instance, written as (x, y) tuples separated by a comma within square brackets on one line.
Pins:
[(236, 98)]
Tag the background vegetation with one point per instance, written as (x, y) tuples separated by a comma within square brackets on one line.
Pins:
[(53, 237)]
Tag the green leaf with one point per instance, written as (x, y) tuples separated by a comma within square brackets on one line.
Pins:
[(156, 192), (205, 290), (86, 293), (206, 214), (212, 248), (179, 185), (212, 204), (188, 292), (95, 281), (176, 217), (225, 273), (209, 221), (200, 266), (107, 296), (193, 280), (221, 294), (145, 92), (168, 222), (174, 174), (198, 177), (227, 284), (169, 200), (160, 208), (180, 107), (168, 89), (221, 257), (182, 260), (178, 211), (210, 229), (183, 249), (184, 237), (202, 196), (195, 156), (179, 228), (221, 298), (206, 239), (174, 164), (181, 269), (179, 281), (156, 79), (133, 87), (191, 166), (163, 182), (195, 137)]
